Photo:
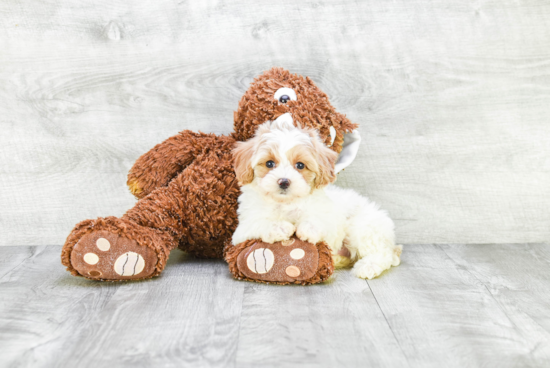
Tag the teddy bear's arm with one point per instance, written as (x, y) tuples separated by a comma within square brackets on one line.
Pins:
[(163, 162)]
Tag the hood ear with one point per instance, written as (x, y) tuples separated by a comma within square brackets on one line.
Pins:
[(352, 140), (242, 156), (326, 158)]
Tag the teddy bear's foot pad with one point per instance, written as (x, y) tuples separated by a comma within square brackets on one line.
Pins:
[(291, 261), (102, 255)]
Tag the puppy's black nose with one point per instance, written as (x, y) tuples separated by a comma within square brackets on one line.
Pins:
[(283, 183)]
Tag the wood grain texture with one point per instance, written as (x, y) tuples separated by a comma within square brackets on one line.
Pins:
[(510, 273), (452, 98), (336, 324), (445, 311), (188, 317), (445, 306)]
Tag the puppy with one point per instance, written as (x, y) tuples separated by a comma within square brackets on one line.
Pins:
[(285, 173)]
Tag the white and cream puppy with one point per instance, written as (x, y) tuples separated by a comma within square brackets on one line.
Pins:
[(285, 172)]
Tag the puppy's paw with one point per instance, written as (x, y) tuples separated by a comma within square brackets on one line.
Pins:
[(340, 261), (309, 232), (396, 258), (369, 268), (278, 231)]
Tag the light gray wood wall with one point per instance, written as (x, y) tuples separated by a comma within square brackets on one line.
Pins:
[(453, 98)]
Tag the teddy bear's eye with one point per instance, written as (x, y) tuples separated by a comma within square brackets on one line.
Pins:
[(283, 95)]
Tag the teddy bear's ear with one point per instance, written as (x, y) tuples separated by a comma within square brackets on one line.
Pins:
[(242, 154), (345, 124)]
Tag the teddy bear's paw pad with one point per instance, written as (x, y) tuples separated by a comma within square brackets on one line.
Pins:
[(288, 261), (103, 255)]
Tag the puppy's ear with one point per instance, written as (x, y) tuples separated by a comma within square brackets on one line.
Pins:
[(326, 158), (242, 155)]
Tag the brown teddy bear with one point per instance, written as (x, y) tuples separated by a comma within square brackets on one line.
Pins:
[(188, 192)]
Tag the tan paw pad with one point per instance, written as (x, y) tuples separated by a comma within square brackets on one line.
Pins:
[(288, 242), (129, 264), (103, 244), (292, 271), (91, 258), (260, 261), (297, 253)]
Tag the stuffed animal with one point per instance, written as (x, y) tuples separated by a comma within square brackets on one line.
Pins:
[(187, 195)]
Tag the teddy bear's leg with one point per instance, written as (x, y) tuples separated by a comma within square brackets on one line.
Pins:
[(163, 162), (198, 209)]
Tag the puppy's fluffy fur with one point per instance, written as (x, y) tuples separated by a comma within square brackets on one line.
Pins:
[(356, 230)]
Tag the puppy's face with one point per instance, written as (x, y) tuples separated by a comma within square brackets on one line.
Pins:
[(284, 162)]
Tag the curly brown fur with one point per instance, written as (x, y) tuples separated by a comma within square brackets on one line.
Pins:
[(163, 162), (312, 109), (199, 205), (166, 160), (186, 185)]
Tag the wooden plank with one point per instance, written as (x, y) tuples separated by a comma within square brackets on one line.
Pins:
[(42, 306), (452, 98), (445, 306), (189, 316), (337, 324), (517, 277), (444, 316), (14, 257)]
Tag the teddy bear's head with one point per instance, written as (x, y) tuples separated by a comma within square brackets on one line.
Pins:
[(277, 93)]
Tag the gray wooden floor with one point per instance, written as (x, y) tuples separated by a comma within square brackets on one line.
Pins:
[(445, 306)]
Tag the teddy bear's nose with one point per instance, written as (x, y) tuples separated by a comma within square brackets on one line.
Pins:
[(283, 183)]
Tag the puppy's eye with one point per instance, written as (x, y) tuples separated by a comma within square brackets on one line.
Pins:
[(270, 164), (283, 95), (300, 165)]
